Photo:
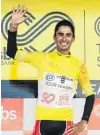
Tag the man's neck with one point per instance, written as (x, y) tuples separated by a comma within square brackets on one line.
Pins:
[(65, 52)]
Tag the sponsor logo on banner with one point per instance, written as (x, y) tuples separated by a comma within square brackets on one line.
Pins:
[(36, 29), (12, 114), (5, 60), (6, 114), (24, 40), (95, 86), (94, 121), (97, 110), (97, 26), (97, 30), (98, 58)]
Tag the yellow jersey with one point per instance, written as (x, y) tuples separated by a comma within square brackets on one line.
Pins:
[(57, 83)]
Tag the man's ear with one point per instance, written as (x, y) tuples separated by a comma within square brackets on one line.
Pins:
[(73, 39), (54, 37)]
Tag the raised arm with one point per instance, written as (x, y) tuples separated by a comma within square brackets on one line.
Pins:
[(16, 20)]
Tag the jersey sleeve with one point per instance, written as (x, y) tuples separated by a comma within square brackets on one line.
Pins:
[(33, 58), (84, 80)]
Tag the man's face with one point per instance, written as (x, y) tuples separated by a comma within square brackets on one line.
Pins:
[(64, 38)]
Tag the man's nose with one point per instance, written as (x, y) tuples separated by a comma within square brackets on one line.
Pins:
[(64, 38)]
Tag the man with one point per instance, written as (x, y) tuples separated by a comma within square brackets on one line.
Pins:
[(59, 73)]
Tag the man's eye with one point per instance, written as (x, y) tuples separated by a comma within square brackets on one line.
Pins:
[(60, 34), (68, 35)]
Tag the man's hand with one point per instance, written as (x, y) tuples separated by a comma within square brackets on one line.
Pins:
[(17, 17), (75, 129)]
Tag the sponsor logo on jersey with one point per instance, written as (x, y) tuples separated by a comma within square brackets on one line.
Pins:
[(49, 77)]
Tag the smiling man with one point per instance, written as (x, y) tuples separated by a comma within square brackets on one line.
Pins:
[(64, 36), (59, 73)]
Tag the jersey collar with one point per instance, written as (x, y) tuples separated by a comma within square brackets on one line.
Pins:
[(60, 54)]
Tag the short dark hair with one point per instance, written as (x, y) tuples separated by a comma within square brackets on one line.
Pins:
[(65, 23)]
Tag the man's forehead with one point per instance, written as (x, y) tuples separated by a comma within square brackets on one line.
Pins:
[(63, 29)]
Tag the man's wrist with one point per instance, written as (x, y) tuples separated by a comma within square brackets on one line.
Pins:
[(13, 27), (84, 121)]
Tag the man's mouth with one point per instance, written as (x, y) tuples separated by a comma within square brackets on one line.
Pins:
[(64, 43)]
